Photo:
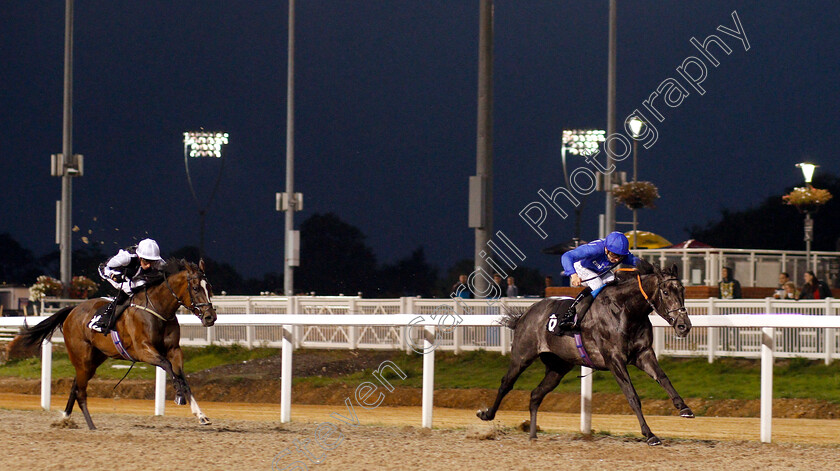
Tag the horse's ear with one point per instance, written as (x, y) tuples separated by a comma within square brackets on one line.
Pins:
[(201, 264), (674, 270)]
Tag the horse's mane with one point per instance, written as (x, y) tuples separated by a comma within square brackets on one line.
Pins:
[(176, 265)]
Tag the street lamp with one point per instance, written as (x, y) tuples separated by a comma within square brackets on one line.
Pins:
[(808, 173), (198, 144), (636, 126), (581, 142)]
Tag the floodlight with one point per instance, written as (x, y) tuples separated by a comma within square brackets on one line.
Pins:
[(205, 144)]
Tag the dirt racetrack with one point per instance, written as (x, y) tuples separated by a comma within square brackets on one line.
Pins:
[(249, 436)]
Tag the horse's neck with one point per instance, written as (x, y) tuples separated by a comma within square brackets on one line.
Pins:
[(161, 296), (630, 295)]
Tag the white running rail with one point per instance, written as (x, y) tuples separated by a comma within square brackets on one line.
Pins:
[(428, 323)]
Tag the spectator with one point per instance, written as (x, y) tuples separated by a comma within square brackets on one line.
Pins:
[(729, 287), (497, 290), (460, 289), (814, 288), (512, 290), (786, 289), (549, 282)]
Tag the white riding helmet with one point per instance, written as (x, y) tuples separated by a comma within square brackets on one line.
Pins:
[(148, 249)]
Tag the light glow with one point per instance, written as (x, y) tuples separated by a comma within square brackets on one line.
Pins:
[(807, 171), (205, 144), (582, 141)]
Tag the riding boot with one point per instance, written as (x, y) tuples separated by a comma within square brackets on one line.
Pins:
[(568, 322), (105, 322)]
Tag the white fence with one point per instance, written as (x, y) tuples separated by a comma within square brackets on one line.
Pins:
[(429, 323), (800, 341)]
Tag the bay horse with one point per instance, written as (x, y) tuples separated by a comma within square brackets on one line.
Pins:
[(616, 332), (148, 330)]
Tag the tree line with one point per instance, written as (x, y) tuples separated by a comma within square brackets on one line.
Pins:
[(334, 259)]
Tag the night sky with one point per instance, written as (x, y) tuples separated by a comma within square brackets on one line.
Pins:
[(386, 116)]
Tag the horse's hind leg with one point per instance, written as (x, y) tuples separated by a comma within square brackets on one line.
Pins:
[(518, 364), (176, 358), (555, 370), (82, 378), (85, 360), (71, 401), (648, 363)]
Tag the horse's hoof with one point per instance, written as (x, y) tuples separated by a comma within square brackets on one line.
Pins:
[(204, 420), (687, 413), (483, 415), (180, 400), (653, 441)]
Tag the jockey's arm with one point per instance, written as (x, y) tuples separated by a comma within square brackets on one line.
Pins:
[(580, 253), (120, 260)]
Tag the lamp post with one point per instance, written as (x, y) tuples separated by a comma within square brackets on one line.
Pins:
[(199, 144), (808, 174), (636, 126), (579, 142), (66, 165)]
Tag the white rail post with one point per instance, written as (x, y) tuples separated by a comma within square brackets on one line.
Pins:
[(428, 375), (46, 373), (405, 330), (767, 347), (711, 332), (353, 333), (504, 332), (250, 330), (658, 340), (586, 400), (828, 333), (286, 376), (457, 332), (160, 391)]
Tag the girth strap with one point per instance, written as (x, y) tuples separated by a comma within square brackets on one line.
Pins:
[(120, 348), (150, 311), (582, 351)]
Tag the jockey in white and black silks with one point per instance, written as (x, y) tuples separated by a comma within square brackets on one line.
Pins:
[(592, 265), (129, 271)]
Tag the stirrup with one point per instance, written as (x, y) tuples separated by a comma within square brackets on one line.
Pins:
[(97, 324)]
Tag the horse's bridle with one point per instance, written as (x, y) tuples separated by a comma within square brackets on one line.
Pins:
[(193, 307), (670, 318)]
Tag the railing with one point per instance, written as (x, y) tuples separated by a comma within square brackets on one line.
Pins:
[(807, 342), (428, 325), (702, 266)]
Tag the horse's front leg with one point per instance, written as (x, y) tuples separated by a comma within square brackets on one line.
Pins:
[(176, 358), (622, 377), (648, 363), (147, 353)]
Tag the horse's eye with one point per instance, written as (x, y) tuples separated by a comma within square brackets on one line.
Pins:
[(665, 292)]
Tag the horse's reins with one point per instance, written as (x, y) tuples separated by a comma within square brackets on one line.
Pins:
[(193, 307), (647, 298)]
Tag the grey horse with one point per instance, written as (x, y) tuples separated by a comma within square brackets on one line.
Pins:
[(616, 332)]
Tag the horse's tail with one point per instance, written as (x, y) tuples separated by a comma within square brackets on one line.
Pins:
[(30, 337), (512, 315)]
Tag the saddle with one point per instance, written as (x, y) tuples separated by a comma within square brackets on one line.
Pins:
[(553, 323)]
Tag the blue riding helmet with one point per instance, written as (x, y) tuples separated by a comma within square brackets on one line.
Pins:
[(617, 243)]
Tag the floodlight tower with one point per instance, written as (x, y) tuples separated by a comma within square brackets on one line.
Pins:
[(198, 144), (581, 142), (636, 126)]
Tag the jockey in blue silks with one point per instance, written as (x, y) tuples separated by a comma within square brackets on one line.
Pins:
[(592, 265)]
